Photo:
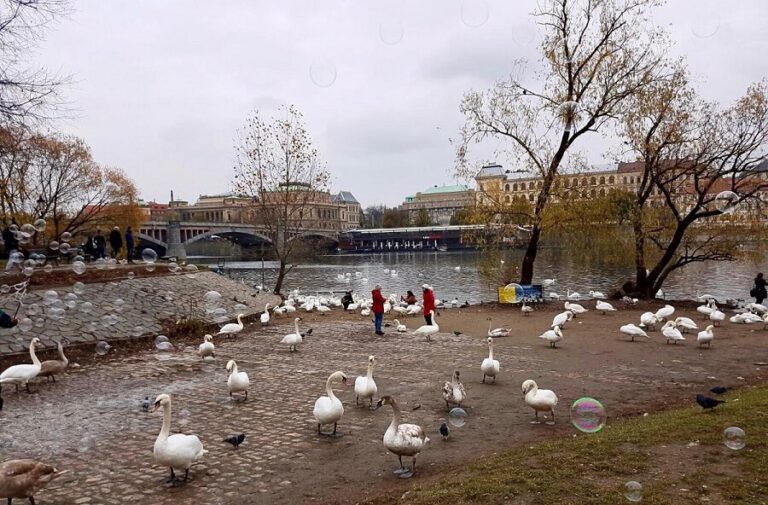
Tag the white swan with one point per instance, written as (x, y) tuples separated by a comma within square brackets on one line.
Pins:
[(232, 328), (428, 329), (670, 332), (497, 332), (526, 309), (323, 309), (490, 367), (23, 478), (207, 348), (328, 409), (542, 400), (413, 310), (176, 451), (757, 308), (633, 331), (665, 312), (295, 338), (49, 368), (400, 327), (685, 323), (22, 374), (365, 312), (604, 307), (707, 308), (746, 318), (598, 295), (716, 316), (552, 336), (265, 316), (561, 319), (365, 386), (400, 310), (572, 296), (453, 391), (648, 320), (706, 336), (575, 308), (237, 382), (402, 439)]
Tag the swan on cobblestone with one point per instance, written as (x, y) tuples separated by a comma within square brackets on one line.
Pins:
[(175, 451), (402, 439), (231, 328), (50, 367), (328, 409), (22, 478), (207, 348), (22, 374), (237, 382), (490, 367), (542, 400), (295, 338)]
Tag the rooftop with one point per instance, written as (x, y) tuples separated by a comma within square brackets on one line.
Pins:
[(345, 196), (456, 188)]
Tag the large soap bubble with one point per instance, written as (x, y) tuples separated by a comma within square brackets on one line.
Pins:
[(78, 267), (191, 271), (148, 255), (588, 415), (474, 13), (78, 288), (211, 300), (66, 236), (102, 347), (457, 417), (39, 225), (322, 72), (53, 245), (64, 248), (734, 438), (727, 201), (100, 264), (26, 324), (633, 491)]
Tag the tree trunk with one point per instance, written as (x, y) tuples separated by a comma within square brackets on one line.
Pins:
[(642, 287), (652, 282), (280, 277), (526, 269)]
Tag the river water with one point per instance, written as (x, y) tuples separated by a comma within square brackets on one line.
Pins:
[(457, 275)]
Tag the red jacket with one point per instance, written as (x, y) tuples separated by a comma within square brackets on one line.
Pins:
[(378, 301), (429, 301)]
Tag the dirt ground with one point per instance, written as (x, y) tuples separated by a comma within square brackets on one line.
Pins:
[(90, 421)]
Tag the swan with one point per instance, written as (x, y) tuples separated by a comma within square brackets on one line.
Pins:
[(50, 367), (526, 309), (453, 391), (706, 336), (497, 332), (746, 318), (400, 310), (176, 451), (599, 295), (231, 328), (413, 310), (265, 316), (400, 327), (365, 312), (548, 282), (490, 367), (648, 320), (670, 332), (323, 309), (402, 439), (704, 297), (455, 303), (428, 329), (572, 296), (278, 311), (628, 300), (685, 323), (561, 319), (707, 308), (295, 338), (716, 316), (552, 336), (604, 307), (22, 374), (757, 308), (365, 387), (328, 409), (633, 331), (207, 348), (542, 400), (574, 308), (289, 309), (665, 312), (238, 382), (23, 478)]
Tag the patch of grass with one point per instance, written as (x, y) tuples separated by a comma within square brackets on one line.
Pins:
[(652, 450)]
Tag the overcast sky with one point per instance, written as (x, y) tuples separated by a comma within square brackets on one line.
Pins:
[(161, 86)]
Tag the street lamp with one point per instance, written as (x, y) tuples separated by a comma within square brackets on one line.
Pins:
[(40, 206)]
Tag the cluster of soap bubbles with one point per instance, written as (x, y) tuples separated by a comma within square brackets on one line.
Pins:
[(212, 302)]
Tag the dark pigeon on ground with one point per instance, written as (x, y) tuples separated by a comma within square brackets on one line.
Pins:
[(718, 390), (457, 332), (708, 403), (308, 332), (145, 404), (444, 431), (235, 440)]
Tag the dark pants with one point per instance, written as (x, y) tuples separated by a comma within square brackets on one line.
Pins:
[(760, 297), (129, 252), (428, 318), (378, 318)]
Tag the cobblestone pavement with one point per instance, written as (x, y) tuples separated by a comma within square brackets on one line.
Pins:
[(91, 424), (139, 304)]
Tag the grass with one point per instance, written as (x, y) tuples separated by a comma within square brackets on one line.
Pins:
[(678, 456)]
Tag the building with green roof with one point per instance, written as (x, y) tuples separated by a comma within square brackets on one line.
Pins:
[(438, 203)]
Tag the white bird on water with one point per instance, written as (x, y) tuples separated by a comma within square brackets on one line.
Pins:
[(599, 295)]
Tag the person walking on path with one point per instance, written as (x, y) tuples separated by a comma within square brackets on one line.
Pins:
[(378, 308), (116, 241), (428, 301), (759, 289), (129, 244), (100, 244)]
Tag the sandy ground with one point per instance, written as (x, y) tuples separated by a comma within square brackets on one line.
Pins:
[(89, 422)]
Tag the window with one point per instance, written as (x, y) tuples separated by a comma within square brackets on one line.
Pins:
[(514, 187), (531, 185), (506, 187), (584, 181), (506, 199), (602, 192), (610, 180), (539, 185), (625, 179), (602, 179), (593, 181), (530, 197), (592, 194)]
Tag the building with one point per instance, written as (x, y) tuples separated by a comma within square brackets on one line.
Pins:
[(350, 212), (439, 202)]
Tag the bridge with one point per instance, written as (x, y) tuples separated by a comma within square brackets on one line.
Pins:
[(423, 238)]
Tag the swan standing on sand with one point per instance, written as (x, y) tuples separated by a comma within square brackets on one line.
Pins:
[(237, 382), (706, 336), (552, 336), (648, 320), (232, 328), (542, 400), (633, 331), (207, 348), (716, 316), (707, 308), (453, 391), (265, 316), (671, 332), (604, 307), (295, 338), (23, 478), (176, 451), (490, 367), (575, 308), (665, 312), (22, 374), (365, 386), (50, 367), (497, 332), (328, 409), (428, 329), (685, 323), (561, 319), (526, 309), (402, 439)]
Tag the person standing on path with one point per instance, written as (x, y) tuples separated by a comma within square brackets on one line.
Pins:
[(100, 244), (378, 308), (116, 241), (759, 289), (428, 301), (129, 244)]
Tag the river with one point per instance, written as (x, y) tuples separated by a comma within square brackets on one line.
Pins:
[(456, 275)]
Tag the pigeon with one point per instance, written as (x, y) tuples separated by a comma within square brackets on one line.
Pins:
[(708, 403), (417, 407), (308, 332), (145, 404), (444, 431), (718, 390), (457, 333), (235, 440)]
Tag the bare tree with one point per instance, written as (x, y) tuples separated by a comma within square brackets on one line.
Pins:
[(279, 168), (597, 54)]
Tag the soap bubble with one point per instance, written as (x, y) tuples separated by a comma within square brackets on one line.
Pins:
[(16, 257), (174, 268), (474, 13), (53, 245), (79, 258), (5, 288), (240, 308), (211, 299), (32, 309), (106, 321), (164, 347), (64, 248), (322, 72), (588, 415), (705, 22), (39, 225), (391, 31), (28, 229), (86, 444), (100, 264), (48, 268), (86, 307), (78, 288), (191, 271), (78, 267), (726, 201), (148, 255), (28, 271), (119, 304), (633, 491), (102, 347), (184, 416), (39, 322), (137, 331), (734, 438), (131, 275), (457, 417), (66, 236), (31, 261), (150, 267), (25, 324), (50, 296), (160, 339)]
